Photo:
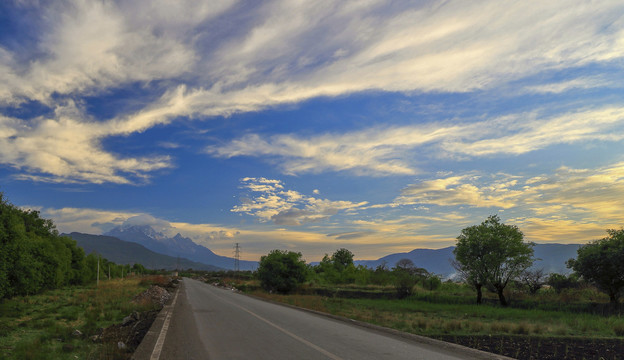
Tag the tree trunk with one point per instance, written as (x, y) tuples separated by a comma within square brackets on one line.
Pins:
[(479, 294), (501, 297), (613, 298)]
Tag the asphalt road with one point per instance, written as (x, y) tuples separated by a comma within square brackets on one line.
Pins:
[(213, 323)]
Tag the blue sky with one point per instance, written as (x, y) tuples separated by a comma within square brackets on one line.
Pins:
[(310, 126)]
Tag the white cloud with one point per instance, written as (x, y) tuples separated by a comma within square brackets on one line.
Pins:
[(471, 190), (391, 151), (205, 59), (66, 148), (287, 207), (587, 82)]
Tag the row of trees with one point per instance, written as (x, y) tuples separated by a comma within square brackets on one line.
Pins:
[(34, 257), (489, 256), (492, 254), (283, 271)]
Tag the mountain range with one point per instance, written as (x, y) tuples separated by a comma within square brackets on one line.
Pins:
[(125, 252), (550, 257), (176, 246), (153, 249)]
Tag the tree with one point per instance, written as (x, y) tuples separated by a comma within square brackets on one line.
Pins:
[(342, 258), (533, 279), (560, 282), (281, 271), (601, 262), (491, 254), (405, 264)]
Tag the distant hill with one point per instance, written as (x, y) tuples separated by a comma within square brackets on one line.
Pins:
[(433, 260), (438, 261), (125, 252), (176, 246)]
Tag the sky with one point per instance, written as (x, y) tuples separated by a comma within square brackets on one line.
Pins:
[(376, 126)]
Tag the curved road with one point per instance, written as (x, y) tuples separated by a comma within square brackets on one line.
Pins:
[(212, 323)]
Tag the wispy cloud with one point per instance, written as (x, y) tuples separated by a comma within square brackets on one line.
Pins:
[(569, 205), (197, 60), (581, 83), (391, 151), (66, 148)]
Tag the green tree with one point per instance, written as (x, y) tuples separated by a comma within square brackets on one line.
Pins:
[(342, 259), (491, 254), (602, 263), (282, 271), (560, 282)]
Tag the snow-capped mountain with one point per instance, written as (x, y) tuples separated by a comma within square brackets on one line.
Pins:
[(175, 246)]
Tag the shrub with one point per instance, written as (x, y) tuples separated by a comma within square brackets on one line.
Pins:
[(281, 271)]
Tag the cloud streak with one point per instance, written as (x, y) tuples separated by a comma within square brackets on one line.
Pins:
[(390, 151), (206, 60)]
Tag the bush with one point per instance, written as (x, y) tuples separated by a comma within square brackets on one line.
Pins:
[(282, 271), (404, 283)]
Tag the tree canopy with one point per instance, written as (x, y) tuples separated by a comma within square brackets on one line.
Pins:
[(282, 271), (491, 254), (34, 257), (602, 263)]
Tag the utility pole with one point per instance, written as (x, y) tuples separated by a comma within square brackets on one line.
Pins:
[(237, 252)]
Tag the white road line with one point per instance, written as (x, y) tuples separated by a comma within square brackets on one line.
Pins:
[(163, 332), (315, 347)]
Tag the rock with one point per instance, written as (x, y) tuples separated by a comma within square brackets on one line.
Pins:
[(77, 333), (96, 338), (130, 319), (155, 294), (121, 345)]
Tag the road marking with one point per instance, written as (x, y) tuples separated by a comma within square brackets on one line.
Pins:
[(163, 332), (306, 342)]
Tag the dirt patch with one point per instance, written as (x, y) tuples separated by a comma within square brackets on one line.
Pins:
[(125, 337), (128, 335), (533, 348), (155, 295)]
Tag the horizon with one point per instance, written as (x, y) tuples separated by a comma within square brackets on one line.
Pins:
[(310, 127), (378, 257)]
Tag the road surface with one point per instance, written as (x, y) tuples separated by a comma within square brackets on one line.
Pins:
[(207, 322)]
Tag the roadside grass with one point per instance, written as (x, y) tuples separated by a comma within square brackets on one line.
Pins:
[(44, 326), (431, 318)]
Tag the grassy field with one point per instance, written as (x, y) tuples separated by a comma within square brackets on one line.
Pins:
[(44, 326), (428, 318)]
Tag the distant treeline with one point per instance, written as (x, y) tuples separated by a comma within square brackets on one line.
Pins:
[(34, 257)]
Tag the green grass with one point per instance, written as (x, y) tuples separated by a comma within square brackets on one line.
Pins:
[(458, 317), (41, 326)]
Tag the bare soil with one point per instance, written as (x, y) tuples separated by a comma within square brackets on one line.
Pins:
[(534, 348)]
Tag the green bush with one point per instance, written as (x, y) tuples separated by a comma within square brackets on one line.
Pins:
[(282, 271)]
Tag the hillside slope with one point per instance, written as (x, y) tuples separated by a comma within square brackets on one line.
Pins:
[(125, 252)]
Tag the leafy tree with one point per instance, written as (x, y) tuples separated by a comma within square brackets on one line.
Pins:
[(560, 282), (339, 268), (431, 282), (602, 262), (381, 275), (491, 254), (281, 271), (342, 259), (404, 283)]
